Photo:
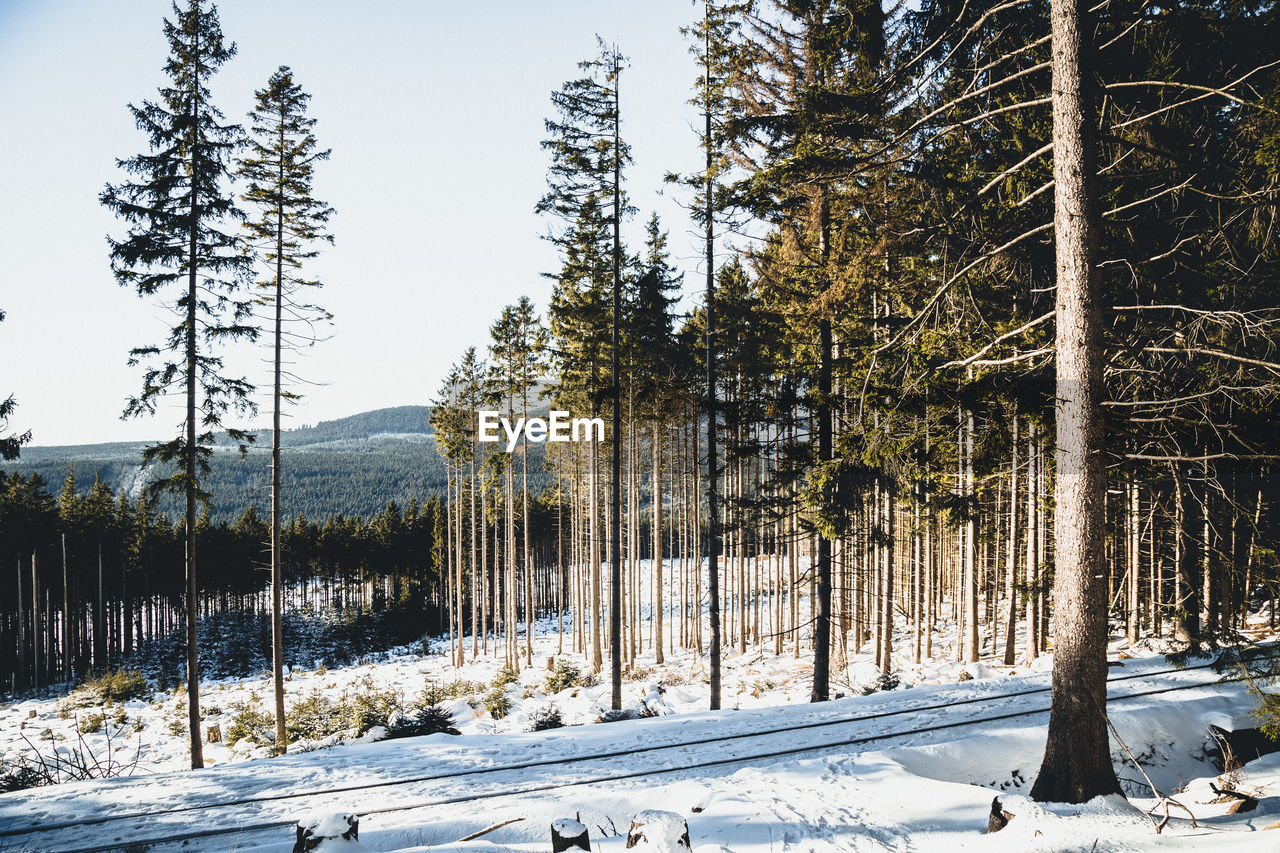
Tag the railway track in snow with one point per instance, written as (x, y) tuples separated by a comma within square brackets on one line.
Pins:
[(247, 816)]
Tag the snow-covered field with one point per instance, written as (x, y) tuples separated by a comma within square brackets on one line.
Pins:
[(923, 790)]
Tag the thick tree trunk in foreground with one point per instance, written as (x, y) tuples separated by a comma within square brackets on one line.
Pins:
[(1077, 760)]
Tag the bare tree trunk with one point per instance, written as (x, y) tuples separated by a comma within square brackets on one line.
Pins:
[(971, 644), (886, 616), (597, 591), (1011, 555), (615, 483), (1186, 624), (1077, 761), (277, 551)]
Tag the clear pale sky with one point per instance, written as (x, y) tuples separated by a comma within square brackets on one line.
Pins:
[(434, 113)]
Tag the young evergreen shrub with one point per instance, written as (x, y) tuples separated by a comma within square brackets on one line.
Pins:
[(887, 681), (564, 674), (546, 718), (251, 723), (112, 686), (365, 705), (91, 724), (1260, 666), (506, 676), (496, 702), (435, 693), (423, 720), (20, 774), (313, 717)]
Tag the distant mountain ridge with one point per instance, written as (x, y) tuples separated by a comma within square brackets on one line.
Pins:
[(352, 465)]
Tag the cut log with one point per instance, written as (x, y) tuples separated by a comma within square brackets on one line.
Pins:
[(569, 834), (999, 818), (213, 734), (322, 831), (655, 831), (1243, 802)]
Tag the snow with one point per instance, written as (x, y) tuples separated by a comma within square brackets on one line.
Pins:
[(928, 788), (328, 824), (567, 827), (657, 831)]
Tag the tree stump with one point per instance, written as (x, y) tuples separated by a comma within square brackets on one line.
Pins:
[(659, 831), (213, 734), (313, 832), (569, 834), (999, 818)]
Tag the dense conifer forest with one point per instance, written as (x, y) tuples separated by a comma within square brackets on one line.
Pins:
[(984, 335)]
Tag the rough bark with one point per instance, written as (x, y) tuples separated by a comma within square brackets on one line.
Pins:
[(1077, 760)]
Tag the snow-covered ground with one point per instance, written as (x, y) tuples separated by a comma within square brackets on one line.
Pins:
[(928, 790), (925, 790)]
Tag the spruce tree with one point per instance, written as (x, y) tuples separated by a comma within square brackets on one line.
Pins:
[(587, 156), (278, 169), (579, 320), (519, 340), (653, 360), (179, 250), (714, 43), (806, 100)]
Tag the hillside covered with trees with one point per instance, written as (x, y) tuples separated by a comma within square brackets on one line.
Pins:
[(351, 466)]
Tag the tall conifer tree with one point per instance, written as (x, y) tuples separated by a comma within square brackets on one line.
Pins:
[(180, 250), (587, 156), (278, 168)]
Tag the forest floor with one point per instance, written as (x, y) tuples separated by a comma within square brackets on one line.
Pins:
[(930, 790)]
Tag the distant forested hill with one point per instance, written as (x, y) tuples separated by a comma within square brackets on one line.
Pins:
[(353, 466)]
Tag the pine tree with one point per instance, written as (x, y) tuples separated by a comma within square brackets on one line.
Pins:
[(178, 251), (587, 156), (579, 320), (714, 45), (805, 100), (278, 168), (519, 340), (653, 360)]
